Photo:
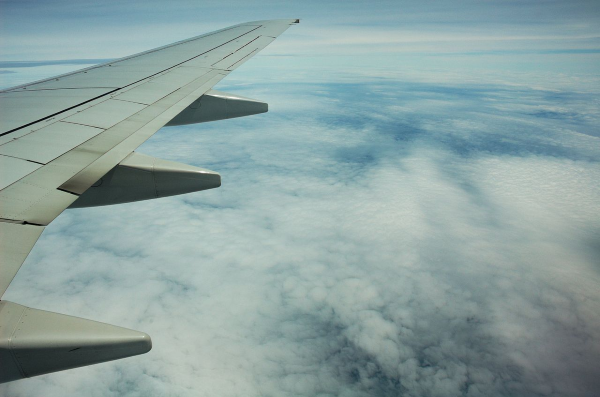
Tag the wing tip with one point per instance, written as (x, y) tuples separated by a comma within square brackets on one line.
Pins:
[(290, 21)]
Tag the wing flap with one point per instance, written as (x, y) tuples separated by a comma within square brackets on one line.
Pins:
[(16, 241), (14, 169), (39, 205), (43, 146)]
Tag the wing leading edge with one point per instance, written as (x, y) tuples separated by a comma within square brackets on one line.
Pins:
[(65, 136)]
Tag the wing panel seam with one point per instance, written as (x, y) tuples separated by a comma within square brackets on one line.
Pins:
[(123, 59), (110, 92), (240, 60)]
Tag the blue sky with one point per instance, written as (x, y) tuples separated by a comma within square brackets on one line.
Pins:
[(417, 214)]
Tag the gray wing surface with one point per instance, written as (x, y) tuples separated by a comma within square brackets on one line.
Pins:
[(69, 141), (59, 136)]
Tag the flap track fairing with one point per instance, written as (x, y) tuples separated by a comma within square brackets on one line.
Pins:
[(36, 342), (140, 177), (216, 105)]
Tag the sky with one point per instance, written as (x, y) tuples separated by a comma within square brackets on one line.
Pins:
[(418, 214)]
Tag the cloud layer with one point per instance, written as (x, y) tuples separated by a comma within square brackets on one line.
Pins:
[(417, 214), (373, 236)]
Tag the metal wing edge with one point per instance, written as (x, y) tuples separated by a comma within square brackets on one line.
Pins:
[(290, 21)]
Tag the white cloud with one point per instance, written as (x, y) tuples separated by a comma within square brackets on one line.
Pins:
[(438, 241)]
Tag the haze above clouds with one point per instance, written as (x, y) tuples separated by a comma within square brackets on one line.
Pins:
[(417, 215)]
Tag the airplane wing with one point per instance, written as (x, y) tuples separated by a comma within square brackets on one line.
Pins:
[(69, 141)]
